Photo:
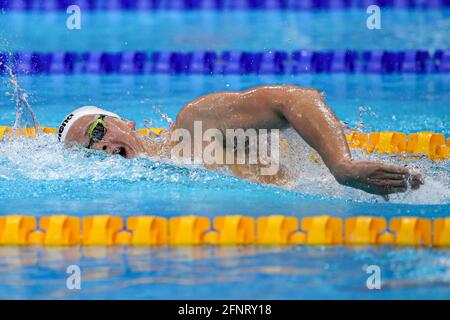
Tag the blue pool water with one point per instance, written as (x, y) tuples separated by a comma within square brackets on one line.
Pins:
[(226, 30), (39, 177), (218, 273), (404, 103)]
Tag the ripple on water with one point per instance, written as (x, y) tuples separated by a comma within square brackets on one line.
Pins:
[(44, 162)]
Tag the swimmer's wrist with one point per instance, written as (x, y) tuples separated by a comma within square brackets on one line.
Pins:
[(342, 170)]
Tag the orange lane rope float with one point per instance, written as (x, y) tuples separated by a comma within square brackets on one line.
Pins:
[(108, 230), (433, 145)]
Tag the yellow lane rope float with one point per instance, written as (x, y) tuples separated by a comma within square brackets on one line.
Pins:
[(107, 230), (434, 145)]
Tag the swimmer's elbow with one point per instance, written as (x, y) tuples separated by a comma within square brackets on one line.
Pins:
[(295, 98), (307, 95)]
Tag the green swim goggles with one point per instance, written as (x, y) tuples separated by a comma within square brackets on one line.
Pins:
[(97, 131)]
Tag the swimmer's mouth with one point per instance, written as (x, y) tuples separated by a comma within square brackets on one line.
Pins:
[(121, 151)]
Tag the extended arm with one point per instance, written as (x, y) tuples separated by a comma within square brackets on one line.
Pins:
[(307, 112), (282, 106)]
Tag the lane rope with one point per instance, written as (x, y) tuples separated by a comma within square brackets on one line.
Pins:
[(52, 5), (108, 230), (434, 146), (228, 62)]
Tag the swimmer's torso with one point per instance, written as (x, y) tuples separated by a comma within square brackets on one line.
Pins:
[(221, 112)]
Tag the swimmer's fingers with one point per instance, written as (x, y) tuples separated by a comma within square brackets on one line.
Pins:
[(396, 176), (398, 189), (385, 182), (386, 186), (392, 189), (395, 169), (381, 179), (415, 180), (400, 173), (398, 184)]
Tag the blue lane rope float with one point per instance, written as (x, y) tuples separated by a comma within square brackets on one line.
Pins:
[(228, 62), (216, 4)]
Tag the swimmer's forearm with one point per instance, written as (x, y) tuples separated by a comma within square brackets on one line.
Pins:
[(307, 112)]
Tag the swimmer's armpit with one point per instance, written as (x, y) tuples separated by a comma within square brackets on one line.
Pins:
[(377, 178)]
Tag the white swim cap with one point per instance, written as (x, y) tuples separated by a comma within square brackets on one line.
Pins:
[(77, 114)]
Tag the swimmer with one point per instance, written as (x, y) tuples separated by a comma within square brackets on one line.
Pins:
[(265, 107)]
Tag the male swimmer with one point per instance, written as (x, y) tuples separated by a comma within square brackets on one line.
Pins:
[(265, 107)]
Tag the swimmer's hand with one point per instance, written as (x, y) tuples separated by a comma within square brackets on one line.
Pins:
[(376, 178)]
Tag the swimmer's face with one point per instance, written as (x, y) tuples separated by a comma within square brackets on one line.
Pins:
[(120, 137)]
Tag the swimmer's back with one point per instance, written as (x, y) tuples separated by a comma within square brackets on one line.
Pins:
[(257, 108)]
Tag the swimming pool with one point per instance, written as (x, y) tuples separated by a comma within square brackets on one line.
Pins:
[(39, 177), (226, 30)]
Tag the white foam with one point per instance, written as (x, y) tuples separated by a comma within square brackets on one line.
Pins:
[(44, 159), (314, 178)]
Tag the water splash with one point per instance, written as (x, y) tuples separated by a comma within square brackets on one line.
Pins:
[(24, 162), (45, 160), (149, 123), (364, 113), (25, 116), (311, 176)]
